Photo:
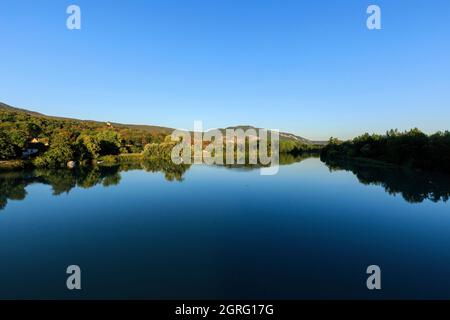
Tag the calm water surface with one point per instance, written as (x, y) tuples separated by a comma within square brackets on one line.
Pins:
[(215, 232)]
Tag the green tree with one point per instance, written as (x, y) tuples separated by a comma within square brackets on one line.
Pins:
[(19, 138), (60, 151), (109, 142), (87, 147), (6, 148)]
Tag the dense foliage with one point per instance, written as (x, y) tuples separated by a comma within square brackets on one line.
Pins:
[(159, 151), (52, 142), (412, 149), (297, 148)]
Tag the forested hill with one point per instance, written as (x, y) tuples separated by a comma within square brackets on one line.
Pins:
[(54, 141), (155, 130), (149, 128)]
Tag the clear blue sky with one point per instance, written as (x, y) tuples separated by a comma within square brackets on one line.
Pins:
[(308, 67)]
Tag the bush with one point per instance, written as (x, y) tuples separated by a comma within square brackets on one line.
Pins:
[(161, 151), (56, 156)]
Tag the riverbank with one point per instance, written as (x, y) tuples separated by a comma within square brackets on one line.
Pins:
[(365, 162), (10, 165), (361, 161), (130, 158), (118, 159), (13, 165)]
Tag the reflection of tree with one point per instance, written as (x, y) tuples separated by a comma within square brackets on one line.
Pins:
[(415, 187), (13, 184), (11, 188), (64, 180), (112, 180), (285, 159), (171, 171), (289, 158)]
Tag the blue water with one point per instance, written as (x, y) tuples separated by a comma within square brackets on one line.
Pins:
[(306, 232)]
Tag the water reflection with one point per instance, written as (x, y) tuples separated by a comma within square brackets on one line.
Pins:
[(414, 186), (285, 159), (13, 184)]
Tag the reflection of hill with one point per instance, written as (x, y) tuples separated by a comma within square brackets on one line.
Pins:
[(285, 159), (415, 187), (13, 184)]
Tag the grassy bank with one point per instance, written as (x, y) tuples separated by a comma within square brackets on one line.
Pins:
[(9, 165), (12, 165)]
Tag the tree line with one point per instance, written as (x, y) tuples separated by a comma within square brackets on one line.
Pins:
[(52, 142), (413, 149), (49, 142)]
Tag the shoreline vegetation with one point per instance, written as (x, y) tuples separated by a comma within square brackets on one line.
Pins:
[(106, 172), (411, 149), (32, 140), (412, 186), (138, 158)]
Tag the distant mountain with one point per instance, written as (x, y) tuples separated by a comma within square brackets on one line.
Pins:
[(284, 136), (151, 128)]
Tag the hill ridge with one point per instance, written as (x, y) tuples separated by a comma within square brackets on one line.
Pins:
[(165, 130)]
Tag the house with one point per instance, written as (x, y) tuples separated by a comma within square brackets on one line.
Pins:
[(34, 147), (28, 152), (44, 141)]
